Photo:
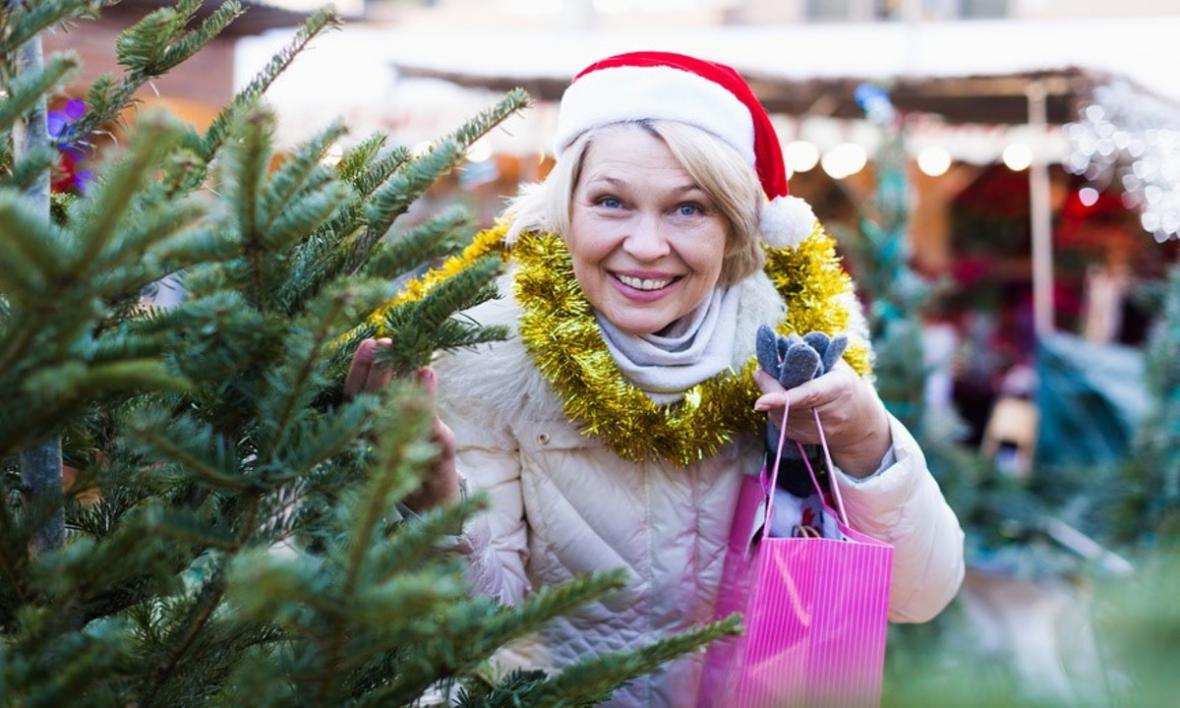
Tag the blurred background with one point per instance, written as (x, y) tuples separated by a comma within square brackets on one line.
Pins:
[(1004, 177)]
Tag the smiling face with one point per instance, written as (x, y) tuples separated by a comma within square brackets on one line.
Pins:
[(647, 242)]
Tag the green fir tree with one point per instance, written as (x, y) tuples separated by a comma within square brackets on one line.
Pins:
[(1149, 511), (233, 535)]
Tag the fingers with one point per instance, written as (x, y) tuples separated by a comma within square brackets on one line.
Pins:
[(830, 395), (428, 381), (378, 376), (358, 371), (812, 394), (365, 374), (445, 439)]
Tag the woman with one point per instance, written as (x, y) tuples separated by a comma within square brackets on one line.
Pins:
[(613, 428)]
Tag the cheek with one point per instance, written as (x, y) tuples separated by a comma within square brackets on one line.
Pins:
[(588, 242), (705, 256)]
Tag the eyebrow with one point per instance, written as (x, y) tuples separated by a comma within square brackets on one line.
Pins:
[(615, 181)]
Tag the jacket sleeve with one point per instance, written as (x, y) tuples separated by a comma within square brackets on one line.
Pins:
[(902, 505), (495, 541)]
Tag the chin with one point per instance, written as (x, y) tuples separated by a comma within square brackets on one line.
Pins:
[(639, 325)]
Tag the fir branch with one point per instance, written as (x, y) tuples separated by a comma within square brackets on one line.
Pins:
[(73, 381), (183, 637), (303, 215), (164, 56), (400, 452), (83, 667), (416, 326), (460, 648), (148, 49), (261, 582), (315, 442), (417, 538), (355, 161), (246, 168), (546, 603), (194, 446), (28, 87), (322, 19), (192, 529), (300, 379), (14, 556), (334, 249), (89, 571), (375, 175), (302, 172), (163, 219), (394, 197), (203, 245), (592, 680), (34, 253), (32, 166), (26, 20), (142, 46), (98, 215), (422, 244), (475, 128)]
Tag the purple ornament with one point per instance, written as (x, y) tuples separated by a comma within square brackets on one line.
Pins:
[(74, 109), (56, 123)]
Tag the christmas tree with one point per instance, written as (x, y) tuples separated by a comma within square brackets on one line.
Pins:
[(1151, 499), (232, 535)]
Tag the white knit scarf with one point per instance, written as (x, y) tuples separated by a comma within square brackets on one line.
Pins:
[(694, 348)]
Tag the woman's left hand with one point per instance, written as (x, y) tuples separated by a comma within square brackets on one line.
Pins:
[(855, 422)]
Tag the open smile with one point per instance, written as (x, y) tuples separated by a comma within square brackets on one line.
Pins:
[(646, 284), (645, 287)]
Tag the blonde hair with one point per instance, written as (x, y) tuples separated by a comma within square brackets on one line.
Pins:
[(716, 167)]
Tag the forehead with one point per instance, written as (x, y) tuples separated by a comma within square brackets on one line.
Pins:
[(630, 153)]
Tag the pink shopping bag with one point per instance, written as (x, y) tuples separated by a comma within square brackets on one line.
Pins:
[(815, 609)]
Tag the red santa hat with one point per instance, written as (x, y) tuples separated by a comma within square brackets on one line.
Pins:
[(710, 96)]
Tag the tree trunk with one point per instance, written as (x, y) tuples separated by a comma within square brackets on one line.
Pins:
[(40, 464)]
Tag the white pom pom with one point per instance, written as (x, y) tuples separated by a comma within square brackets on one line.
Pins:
[(786, 221)]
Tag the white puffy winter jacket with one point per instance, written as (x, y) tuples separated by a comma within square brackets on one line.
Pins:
[(563, 504)]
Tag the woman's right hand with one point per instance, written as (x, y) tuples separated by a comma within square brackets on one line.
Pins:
[(441, 485)]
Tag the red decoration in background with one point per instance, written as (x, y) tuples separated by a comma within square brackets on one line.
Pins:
[(65, 176), (1105, 224)]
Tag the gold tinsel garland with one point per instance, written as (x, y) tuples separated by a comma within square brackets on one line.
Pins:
[(484, 243), (558, 329)]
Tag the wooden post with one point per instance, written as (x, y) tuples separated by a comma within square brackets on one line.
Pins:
[(1040, 215)]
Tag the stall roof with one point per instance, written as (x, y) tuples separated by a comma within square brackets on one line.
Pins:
[(968, 72)]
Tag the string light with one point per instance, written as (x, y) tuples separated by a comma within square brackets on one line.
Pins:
[(1088, 196), (1132, 137), (801, 156), (934, 160), (844, 160), (1017, 157)]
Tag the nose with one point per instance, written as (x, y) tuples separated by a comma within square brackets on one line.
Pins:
[(646, 242)]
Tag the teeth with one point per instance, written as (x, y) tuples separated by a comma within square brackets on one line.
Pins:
[(644, 283)]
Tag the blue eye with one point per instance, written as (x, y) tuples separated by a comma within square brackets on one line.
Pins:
[(689, 209), (609, 202)]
